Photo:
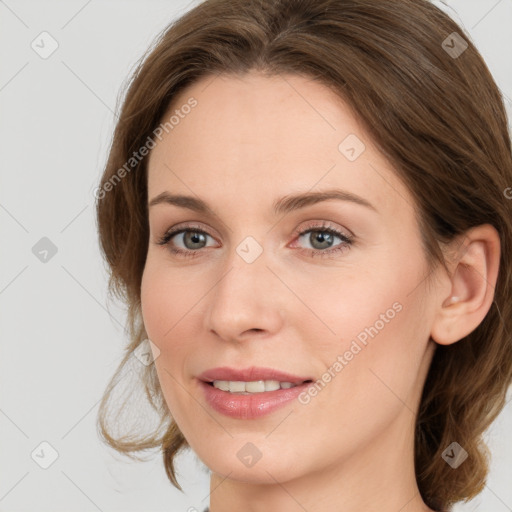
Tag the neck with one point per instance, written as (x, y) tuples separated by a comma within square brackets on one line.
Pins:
[(379, 477)]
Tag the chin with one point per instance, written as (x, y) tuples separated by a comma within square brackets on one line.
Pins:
[(266, 470)]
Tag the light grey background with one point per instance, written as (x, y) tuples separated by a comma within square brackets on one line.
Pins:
[(61, 341)]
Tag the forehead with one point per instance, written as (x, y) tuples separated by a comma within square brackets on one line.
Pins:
[(263, 137)]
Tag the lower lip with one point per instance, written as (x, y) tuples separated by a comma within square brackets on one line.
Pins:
[(248, 407)]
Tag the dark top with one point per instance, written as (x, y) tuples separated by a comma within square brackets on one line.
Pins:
[(208, 510)]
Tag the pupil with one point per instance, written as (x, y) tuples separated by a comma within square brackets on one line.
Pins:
[(195, 237), (322, 236)]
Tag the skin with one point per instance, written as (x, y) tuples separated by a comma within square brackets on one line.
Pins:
[(249, 141)]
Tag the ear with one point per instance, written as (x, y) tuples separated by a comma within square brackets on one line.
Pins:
[(473, 270)]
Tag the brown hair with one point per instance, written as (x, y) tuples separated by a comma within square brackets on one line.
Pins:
[(438, 117)]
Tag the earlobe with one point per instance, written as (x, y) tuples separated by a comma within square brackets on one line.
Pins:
[(472, 284)]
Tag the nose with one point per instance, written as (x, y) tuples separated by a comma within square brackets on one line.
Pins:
[(248, 299)]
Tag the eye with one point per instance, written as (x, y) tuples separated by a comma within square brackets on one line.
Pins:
[(321, 239), (192, 237)]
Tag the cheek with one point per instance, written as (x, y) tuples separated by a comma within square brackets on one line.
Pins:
[(171, 312), (153, 302), (371, 297), (382, 343), (164, 300), (163, 310), (381, 318)]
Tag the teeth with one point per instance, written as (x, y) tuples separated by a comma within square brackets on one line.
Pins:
[(236, 387), (258, 386)]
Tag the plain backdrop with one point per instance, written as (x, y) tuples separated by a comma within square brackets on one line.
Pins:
[(60, 340)]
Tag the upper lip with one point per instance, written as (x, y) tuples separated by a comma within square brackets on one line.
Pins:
[(251, 374)]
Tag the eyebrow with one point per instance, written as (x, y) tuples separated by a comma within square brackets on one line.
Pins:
[(283, 205)]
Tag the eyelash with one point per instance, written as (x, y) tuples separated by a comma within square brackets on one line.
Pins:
[(322, 228)]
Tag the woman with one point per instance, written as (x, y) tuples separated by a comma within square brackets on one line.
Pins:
[(257, 136)]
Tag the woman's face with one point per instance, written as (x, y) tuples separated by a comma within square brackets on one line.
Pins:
[(349, 308)]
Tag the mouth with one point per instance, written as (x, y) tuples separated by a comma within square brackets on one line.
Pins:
[(251, 387), (251, 380), (252, 398)]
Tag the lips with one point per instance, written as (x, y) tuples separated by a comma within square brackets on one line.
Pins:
[(251, 374), (251, 406)]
